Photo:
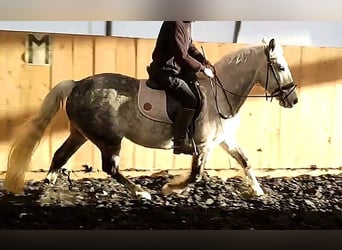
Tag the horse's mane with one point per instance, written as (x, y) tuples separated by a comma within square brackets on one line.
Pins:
[(238, 56), (242, 55)]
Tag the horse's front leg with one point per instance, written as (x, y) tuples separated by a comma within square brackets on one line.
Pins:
[(236, 152), (177, 185)]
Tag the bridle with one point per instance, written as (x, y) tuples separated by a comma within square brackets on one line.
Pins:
[(282, 91)]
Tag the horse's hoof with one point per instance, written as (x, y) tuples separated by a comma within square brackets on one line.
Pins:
[(167, 190), (258, 192), (51, 178), (198, 178), (252, 194), (143, 194), (46, 181), (247, 195)]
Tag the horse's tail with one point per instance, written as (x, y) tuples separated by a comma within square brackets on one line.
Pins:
[(29, 135)]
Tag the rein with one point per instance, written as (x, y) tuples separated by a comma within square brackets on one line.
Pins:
[(278, 92)]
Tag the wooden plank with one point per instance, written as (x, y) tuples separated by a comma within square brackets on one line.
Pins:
[(163, 160), (117, 55), (14, 82), (62, 69), (125, 56), (25, 88), (182, 162), (144, 49), (317, 100), (38, 86), (104, 61), (256, 132), (82, 58), (104, 55), (336, 138), (4, 109), (83, 65), (146, 158), (125, 52), (218, 159), (288, 131), (13, 77)]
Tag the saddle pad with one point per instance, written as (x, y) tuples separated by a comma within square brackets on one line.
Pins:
[(152, 103)]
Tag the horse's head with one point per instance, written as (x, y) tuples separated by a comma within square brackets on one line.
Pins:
[(278, 79)]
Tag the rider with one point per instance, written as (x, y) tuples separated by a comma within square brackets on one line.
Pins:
[(175, 62)]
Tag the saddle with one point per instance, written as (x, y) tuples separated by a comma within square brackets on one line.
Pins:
[(154, 103)]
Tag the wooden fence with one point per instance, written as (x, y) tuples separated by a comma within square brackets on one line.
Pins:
[(307, 137)]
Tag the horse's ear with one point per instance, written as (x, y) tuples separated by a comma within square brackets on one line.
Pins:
[(265, 40), (272, 44)]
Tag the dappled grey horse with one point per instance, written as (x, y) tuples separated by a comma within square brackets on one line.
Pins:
[(104, 109)]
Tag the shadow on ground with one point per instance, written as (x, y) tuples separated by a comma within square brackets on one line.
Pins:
[(303, 202)]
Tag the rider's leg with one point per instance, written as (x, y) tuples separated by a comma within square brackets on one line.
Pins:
[(180, 90), (184, 115)]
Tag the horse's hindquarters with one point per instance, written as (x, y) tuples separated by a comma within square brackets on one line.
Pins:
[(106, 113)]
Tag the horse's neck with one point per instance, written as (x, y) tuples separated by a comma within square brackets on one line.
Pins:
[(238, 74)]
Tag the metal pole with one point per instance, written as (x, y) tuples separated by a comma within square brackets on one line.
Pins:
[(236, 31), (108, 28)]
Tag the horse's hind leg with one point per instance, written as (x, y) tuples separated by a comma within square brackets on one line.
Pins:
[(64, 152), (110, 165), (237, 153), (177, 185)]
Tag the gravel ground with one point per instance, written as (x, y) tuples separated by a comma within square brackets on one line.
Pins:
[(304, 202)]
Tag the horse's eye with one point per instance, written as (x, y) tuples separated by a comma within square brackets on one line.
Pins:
[(281, 68)]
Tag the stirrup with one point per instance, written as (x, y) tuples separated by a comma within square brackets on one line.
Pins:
[(185, 148)]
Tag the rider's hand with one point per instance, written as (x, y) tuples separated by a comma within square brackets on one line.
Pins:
[(208, 72), (208, 64)]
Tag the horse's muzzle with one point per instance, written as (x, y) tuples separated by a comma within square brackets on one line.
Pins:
[(289, 101), (287, 95)]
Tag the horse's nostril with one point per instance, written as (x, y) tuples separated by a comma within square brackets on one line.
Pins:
[(295, 101)]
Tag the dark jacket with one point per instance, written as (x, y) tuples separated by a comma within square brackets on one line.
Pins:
[(174, 50)]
